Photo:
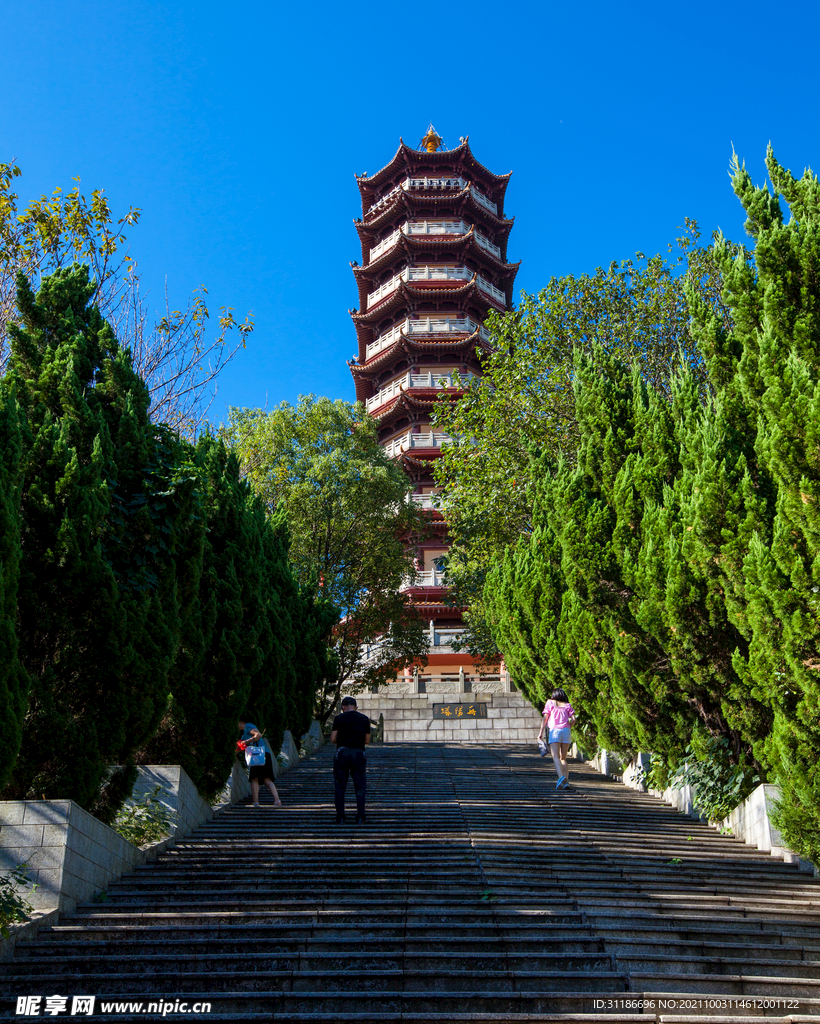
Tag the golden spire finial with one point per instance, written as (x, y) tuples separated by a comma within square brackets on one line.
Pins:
[(432, 140)]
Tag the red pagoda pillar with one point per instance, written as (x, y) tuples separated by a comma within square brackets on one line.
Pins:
[(434, 263)]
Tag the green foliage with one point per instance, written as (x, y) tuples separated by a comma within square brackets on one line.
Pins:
[(15, 907), (671, 568), (718, 785), (153, 590), (176, 356), (144, 821), (97, 614), (525, 402), (250, 637), (766, 371), (116, 788), (345, 504), (13, 678)]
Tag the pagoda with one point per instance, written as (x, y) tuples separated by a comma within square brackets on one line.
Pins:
[(434, 238)]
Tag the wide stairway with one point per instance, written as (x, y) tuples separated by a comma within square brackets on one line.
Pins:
[(474, 893)]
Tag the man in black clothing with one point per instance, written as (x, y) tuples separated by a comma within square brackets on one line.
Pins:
[(351, 734)]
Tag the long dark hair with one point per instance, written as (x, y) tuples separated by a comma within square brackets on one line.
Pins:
[(560, 694)]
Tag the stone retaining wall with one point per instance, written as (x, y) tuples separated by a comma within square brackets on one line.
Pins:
[(409, 719)]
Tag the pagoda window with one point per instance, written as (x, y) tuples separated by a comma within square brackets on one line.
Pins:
[(431, 558)]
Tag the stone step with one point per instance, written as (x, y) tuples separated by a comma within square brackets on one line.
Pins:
[(406, 914), (313, 963), (374, 984), (370, 962), (169, 942)]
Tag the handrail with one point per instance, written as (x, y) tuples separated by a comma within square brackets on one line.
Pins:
[(431, 439), (428, 501), (437, 183), (488, 204), (426, 325), (416, 380), (434, 273), (432, 183), (485, 243), (425, 578), (446, 273), (490, 289)]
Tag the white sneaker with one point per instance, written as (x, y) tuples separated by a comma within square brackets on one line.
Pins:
[(542, 748)]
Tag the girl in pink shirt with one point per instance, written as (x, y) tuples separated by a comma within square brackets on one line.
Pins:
[(558, 716)]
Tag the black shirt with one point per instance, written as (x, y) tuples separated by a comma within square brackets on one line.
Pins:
[(351, 727)]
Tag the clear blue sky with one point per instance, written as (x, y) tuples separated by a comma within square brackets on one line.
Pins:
[(237, 128)]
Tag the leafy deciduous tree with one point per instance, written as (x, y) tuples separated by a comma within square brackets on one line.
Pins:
[(349, 518)]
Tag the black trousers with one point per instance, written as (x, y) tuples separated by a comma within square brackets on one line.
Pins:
[(349, 761)]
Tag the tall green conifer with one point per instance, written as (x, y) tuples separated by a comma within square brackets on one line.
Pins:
[(775, 397), (97, 612), (13, 678)]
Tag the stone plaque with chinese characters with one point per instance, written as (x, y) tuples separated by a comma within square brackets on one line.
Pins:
[(460, 710)]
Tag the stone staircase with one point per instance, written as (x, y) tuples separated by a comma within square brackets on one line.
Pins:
[(475, 893)]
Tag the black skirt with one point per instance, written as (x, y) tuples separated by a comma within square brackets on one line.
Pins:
[(261, 771)]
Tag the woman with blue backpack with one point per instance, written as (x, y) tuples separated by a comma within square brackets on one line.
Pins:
[(259, 759)]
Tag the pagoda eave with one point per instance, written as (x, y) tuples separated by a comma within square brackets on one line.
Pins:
[(405, 401), (431, 454), (412, 202), (405, 158), (413, 294), (410, 345)]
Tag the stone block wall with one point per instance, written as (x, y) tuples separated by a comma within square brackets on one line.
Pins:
[(408, 718), (177, 793), (70, 854)]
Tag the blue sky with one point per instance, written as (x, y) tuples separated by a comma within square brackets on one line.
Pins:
[(238, 130)]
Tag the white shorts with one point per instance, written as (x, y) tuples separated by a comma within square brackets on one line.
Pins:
[(560, 735)]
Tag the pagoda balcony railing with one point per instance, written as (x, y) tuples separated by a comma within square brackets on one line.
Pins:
[(435, 183), (446, 325), (386, 289), (439, 274), (416, 275), (430, 325), (431, 439), (485, 243), (425, 578), (438, 184), (436, 227), (385, 199), (482, 200), (491, 290), (385, 244), (385, 340), (426, 227), (416, 380), (430, 502), (439, 380)]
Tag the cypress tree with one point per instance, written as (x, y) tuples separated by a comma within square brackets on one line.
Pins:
[(97, 613), (775, 396), (13, 678)]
